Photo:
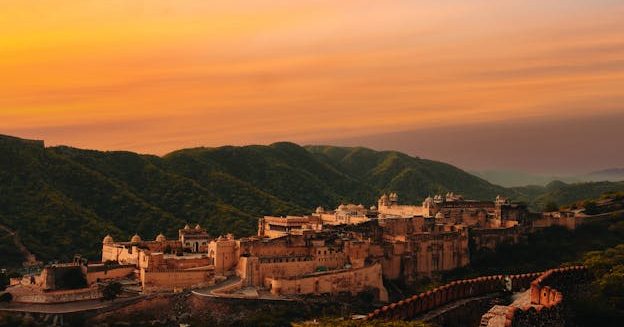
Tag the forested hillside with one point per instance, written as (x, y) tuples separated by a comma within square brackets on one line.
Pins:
[(564, 194), (63, 200), (413, 178)]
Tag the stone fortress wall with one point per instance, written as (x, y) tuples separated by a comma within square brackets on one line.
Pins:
[(545, 301), (162, 280), (164, 265), (413, 306), (55, 297), (326, 251), (95, 273), (352, 281), (543, 309)]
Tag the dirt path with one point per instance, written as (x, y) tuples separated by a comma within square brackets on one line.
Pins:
[(31, 260)]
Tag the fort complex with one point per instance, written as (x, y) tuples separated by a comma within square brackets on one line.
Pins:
[(347, 250)]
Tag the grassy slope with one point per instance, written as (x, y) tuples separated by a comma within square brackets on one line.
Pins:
[(413, 178), (564, 194)]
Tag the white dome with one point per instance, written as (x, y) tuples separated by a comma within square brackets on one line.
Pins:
[(108, 239), (160, 238), (135, 239)]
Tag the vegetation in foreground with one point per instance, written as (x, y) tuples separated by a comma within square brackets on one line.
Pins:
[(604, 305), (360, 323)]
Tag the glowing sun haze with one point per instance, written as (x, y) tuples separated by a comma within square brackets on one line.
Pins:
[(154, 76)]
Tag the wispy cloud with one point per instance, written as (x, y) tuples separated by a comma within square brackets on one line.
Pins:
[(164, 75)]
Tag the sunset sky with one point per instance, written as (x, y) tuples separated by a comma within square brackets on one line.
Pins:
[(508, 84)]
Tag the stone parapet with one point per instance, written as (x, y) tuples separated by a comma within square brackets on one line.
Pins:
[(545, 301), (418, 304), (54, 297)]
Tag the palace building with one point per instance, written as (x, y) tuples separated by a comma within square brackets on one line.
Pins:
[(350, 249)]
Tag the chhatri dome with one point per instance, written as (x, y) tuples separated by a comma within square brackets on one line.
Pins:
[(135, 239), (108, 239), (187, 227), (320, 209), (197, 227), (161, 238)]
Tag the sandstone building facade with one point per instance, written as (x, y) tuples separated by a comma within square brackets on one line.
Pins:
[(350, 249)]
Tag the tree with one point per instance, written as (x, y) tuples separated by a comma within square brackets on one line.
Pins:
[(111, 291), (551, 206), (4, 281), (6, 297), (72, 279), (608, 287), (590, 207)]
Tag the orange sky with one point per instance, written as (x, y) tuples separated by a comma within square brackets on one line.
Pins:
[(157, 75)]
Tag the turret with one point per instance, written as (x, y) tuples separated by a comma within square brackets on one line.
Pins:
[(383, 201), (135, 239), (394, 198), (108, 239)]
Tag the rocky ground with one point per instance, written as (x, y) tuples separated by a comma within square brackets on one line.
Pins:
[(188, 308)]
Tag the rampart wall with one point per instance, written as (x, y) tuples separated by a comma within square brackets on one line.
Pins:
[(418, 304), (156, 280), (545, 301), (333, 282), (82, 294), (108, 273)]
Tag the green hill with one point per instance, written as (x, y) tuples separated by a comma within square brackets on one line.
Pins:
[(565, 194), (63, 200), (413, 178)]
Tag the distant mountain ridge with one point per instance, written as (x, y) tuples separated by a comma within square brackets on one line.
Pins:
[(611, 174), (62, 200), (509, 178)]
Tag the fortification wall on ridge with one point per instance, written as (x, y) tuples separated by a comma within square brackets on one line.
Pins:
[(418, 304), (545, 301)]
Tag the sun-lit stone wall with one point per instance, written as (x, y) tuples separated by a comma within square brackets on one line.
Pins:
[(350, 281), (225, 253), (546, 301), (95, 273), (159, 280)]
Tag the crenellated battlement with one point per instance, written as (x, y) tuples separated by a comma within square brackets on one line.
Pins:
[(461, 289), (544, 303), (545, 290)]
